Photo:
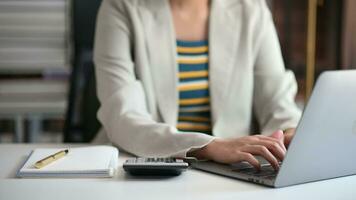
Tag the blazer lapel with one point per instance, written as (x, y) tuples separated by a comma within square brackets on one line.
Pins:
[(160, 38), (223, 35)]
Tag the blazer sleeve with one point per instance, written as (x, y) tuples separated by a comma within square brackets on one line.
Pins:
[(123, 112), (275, 87)]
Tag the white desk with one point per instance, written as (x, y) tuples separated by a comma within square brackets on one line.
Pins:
[(192, 184)]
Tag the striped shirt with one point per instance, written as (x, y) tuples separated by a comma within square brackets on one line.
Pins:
[(194, 99)]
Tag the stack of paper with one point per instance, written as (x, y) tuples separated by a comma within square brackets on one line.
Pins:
[(94, 161)]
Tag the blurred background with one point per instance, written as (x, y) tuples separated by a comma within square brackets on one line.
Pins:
[(47, 83)]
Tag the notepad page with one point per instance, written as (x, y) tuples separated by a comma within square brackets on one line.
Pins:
[(80, 159)]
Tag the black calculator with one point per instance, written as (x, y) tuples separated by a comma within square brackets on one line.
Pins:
[(155, 166)]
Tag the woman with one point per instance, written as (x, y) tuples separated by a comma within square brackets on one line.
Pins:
[(183, 78)]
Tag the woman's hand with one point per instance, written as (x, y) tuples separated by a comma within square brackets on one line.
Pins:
[(244, 149), (288, 136)]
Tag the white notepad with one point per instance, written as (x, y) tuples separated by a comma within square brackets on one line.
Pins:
[(93, 161)]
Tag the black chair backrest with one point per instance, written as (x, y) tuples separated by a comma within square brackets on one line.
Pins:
[(81, 124), (84, 19)]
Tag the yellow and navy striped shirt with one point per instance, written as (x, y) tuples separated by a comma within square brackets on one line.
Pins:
[(194, 99)]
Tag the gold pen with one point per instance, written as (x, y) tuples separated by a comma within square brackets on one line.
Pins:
[(49, 159)]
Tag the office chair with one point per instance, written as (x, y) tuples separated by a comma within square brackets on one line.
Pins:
[(81, 124)]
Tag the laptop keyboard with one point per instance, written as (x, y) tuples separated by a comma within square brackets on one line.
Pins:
[(266, 172)]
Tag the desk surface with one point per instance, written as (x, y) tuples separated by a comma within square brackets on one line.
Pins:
[(192, 184)]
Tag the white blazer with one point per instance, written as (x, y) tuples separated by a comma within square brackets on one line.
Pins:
[(136, 70)]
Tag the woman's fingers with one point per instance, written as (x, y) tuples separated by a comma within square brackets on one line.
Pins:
[(274, 147), (243, 156), (280, 142), (262, 151)]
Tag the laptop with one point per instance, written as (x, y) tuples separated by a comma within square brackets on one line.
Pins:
[(324, 144)]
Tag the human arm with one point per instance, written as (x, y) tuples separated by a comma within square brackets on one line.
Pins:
[(275, 87), (123, 112), (274, 92)]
